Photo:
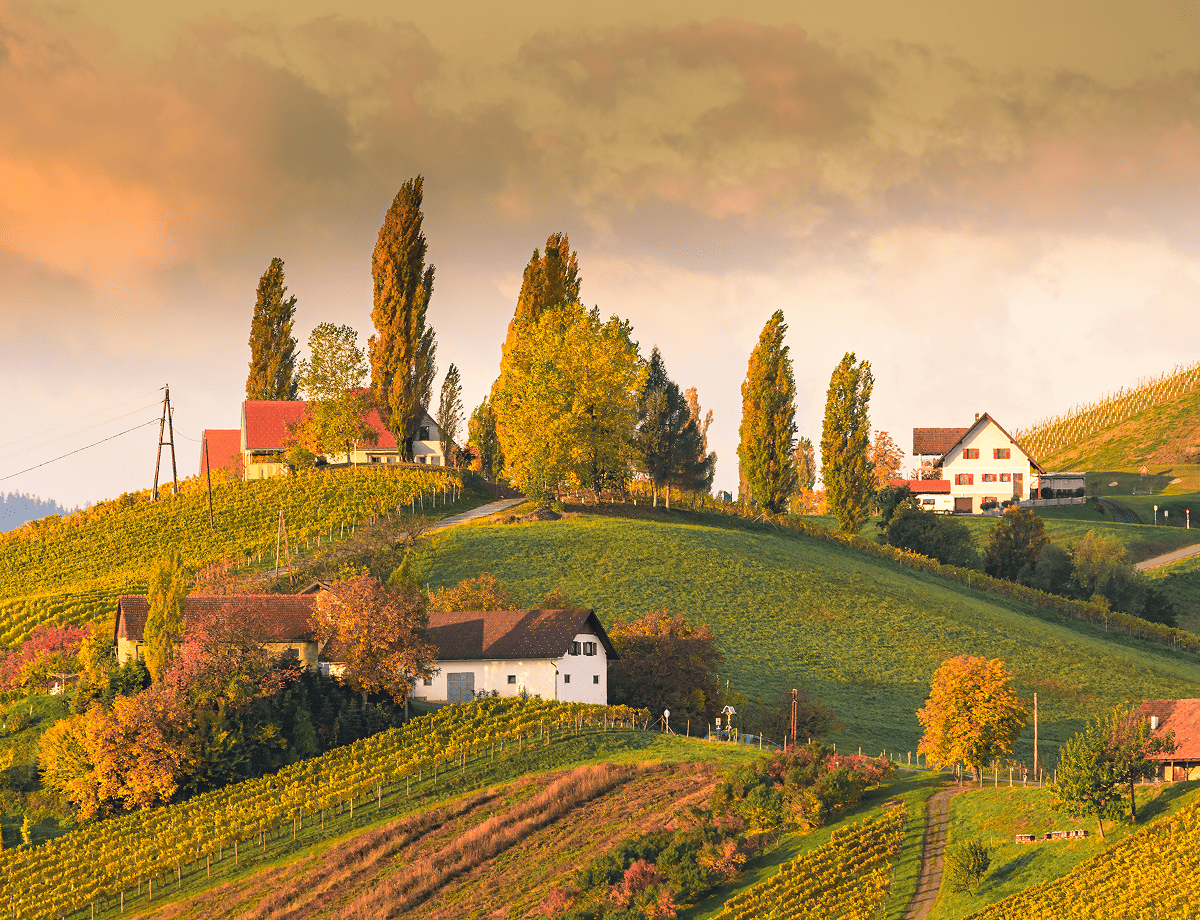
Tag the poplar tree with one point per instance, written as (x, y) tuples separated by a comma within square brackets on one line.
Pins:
[(768, 428), (272, 345), (164, 622), (402, 350), (450, 410), (482, 436), (846, 466)]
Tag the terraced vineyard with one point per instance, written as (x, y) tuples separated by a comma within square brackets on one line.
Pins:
[(107, 863), (70, 570)]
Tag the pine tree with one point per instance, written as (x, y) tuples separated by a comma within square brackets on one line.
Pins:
[(768, 428), (668, 442), (450, 410), (846, 444), (272, 346), (402, 350), (164, 622)]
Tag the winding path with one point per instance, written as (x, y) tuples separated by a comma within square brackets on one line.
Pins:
[(937, 819), (1155, 561)]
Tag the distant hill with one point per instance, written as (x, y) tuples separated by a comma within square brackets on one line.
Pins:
[(1156, 423), (16, 509)]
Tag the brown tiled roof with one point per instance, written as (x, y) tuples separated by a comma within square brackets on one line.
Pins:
[(224, 448), (922, 486), (1183, 718), (283, 617), (930, 441), (511, 634)]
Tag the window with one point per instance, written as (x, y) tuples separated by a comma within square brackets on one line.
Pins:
[(970, 453), (566, 678), (1006, 477), (574, 648), (595, 678), (991, 498), (964, 479), (512, 678), (589, 648), (989, 477), (1002, 453), (422, 434), (374, 459), (428, 682)]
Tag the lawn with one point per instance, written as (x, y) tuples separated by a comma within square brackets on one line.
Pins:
[(863, 635), (1180, 581)]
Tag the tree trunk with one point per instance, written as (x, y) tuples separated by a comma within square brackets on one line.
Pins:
[(654, 492), (1132, 801), (1100, 823), (668, 495)]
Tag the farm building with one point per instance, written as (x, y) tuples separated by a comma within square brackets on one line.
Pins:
[(554, 654), (281, 621), (266, 425), (1183, 718), (931, 494), (982, 463), (222, 448)]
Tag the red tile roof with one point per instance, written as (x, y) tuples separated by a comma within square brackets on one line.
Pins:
[(1183, 718), (923, 486), (511, 634), (935, 441), (224, 448), (283, 617), (266, 424)]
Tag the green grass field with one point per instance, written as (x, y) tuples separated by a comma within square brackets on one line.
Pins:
[(864, 636)]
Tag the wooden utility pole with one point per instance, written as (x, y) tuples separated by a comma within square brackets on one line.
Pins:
[(281, 531), (793, 720), (1035, 739), (165, 426), (208, 475)]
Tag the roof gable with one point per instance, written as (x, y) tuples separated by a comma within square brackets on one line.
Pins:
[(224, 448), (511, 634), (980, 423), (282, 617)]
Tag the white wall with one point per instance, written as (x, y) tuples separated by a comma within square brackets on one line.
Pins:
[(986, 439)]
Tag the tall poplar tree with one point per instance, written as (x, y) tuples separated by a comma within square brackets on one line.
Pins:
[(482, 434), (768, 429), (450, 410), (403, 347), (846, 467), (272, 345), (164, 621)]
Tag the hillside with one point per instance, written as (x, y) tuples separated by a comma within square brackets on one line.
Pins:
[(863, 635)]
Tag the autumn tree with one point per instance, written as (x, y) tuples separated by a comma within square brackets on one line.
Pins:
[(845, 443), (972, 715), (768, 429), (667, 441), (332, 379), (164, 622), (403, 347), (483, 437), (272, 346), (666, 663), (378, 632), (703, 422), (450, 410), (886, 458), (804, 500), (1015, 544), (484, 592)]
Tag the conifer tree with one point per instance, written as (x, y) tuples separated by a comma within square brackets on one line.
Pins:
[(668, 443), (450, 409), (272, 346), (768, 428), (402, 350), (846, 466), (164, 622)]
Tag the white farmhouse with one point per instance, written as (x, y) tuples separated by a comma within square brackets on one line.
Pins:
[(554, 654), (982, 463)]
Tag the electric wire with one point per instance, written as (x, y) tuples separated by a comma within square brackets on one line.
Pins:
[(38, 434), (25, 450), (152, 421)]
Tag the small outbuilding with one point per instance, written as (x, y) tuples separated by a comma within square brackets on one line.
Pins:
[(1183, 718)]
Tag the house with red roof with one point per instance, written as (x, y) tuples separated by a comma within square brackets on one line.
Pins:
[(931, 494), (1182, 717), (554, 654), (266, 425), (222, 447), (982, 463)]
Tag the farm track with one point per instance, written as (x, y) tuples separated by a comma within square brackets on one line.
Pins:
[(937, 817), (1121, 514), (456, 861), (1184, 553)]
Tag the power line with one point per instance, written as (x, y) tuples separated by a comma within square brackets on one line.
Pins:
[(38, 434), (77, 450), (25, 450)]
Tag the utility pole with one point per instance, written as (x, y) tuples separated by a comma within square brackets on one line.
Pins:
[(208, 475), (1035, 739), (165, 426), (281, 531), (793, 720)]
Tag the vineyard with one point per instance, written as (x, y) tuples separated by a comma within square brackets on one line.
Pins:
[(847, 878), (70, 570), (120, 862), (1154, 873), (1052, 436)]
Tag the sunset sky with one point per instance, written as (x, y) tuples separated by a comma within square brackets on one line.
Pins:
[(996, 205)]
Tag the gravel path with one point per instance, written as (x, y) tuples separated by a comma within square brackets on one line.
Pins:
[(937, 819), (1175, 556), (476, 513)]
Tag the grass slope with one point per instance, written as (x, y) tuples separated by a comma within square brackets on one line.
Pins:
[(864, 635)]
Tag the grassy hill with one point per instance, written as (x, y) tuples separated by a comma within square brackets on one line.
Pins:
[(862, 634)]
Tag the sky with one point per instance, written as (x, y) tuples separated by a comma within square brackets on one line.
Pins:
[(993, 204)]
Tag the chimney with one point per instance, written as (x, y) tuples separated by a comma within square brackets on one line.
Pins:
[(976, 416)]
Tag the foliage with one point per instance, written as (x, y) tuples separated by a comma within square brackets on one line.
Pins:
[(377, 632), (272, 346), (1102, 567), (49, 651), (666, 663), (335, 366), (450, 410), (164, 621), (565, 402), (773, 718), (482, 436), (402, 349), (1015, 544), (485, 592), (966, 865), (886, 457), (937, 536), (668, 442), (551, 280), (846, 466), (768, 428), (972, 715), (332, 380)]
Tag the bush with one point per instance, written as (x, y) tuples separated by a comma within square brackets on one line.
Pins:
[(938, 537), (966, 865)]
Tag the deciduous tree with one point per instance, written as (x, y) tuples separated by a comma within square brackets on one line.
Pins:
[(484, 592), (403, 347), (482, 436), (332, 380), (666, 663), (164, 622), (972, 715), (1015, 544), (886, 458), (450, 410), (272, 346), (846, 466), (768, 428)]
